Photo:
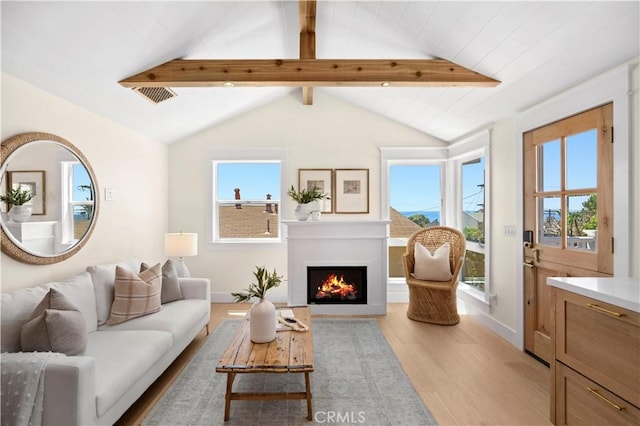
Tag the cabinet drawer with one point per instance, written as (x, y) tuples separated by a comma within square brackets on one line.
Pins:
[(600, 341), (580, 401)]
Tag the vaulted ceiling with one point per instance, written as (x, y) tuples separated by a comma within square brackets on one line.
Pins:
[(81, 50)]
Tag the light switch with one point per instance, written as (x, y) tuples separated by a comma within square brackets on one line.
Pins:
[(108, 194), (509, 230)]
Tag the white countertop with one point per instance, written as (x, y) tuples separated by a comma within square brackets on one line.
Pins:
[(621, 291)]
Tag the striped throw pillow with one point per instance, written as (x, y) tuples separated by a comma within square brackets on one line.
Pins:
[(135, 295)]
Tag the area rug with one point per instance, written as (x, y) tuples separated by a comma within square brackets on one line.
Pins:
[(357, 379)]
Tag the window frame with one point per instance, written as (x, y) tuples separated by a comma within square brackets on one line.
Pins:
[(486, 297), (397, 242), (409, 156), (67, 204), (451, 157), (243, 156)]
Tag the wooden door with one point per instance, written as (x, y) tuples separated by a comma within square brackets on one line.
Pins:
[(568, 211)]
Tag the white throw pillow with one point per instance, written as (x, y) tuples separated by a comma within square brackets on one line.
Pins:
[(432, 267)]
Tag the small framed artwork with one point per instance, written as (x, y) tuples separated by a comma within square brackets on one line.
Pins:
[(351, 190), (34, 181), (321, 179)]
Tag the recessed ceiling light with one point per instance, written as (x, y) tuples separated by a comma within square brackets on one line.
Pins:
[(384, 84), (227, 84)]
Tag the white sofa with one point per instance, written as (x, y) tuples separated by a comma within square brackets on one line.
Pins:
[(120, 361)]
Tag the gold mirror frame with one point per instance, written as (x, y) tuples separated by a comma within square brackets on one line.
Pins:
[(8, 148)]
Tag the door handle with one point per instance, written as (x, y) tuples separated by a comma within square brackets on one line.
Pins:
[(536, 254), (528, 264)]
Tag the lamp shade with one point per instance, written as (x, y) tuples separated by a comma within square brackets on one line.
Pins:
[(180, 244)]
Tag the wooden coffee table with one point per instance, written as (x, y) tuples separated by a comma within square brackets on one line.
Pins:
[(289, 352)]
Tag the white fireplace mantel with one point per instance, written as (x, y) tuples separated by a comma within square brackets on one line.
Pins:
[(338, 243)]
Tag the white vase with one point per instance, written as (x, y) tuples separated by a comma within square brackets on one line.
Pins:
[(302, 212), (262, 321), (20, 213)]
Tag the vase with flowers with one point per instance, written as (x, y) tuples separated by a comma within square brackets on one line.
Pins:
[(262, 315), (18, 198), (308, 202)]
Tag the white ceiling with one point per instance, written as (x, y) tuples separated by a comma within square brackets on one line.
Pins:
[(80, 50)]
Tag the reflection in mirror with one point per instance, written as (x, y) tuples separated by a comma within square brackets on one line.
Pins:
[(63, 208)]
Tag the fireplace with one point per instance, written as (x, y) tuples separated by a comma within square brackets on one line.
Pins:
[(340, 244), (337, 285)]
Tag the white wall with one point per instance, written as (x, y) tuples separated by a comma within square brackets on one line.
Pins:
[(504, 248), (506, 179), (328, 134), (134, 166)]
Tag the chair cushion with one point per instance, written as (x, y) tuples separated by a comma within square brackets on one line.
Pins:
[(135, 295), (56, 325), (121, 359), (176, 318), (432, 266)]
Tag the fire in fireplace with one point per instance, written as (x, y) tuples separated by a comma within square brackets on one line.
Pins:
[(337, 284)]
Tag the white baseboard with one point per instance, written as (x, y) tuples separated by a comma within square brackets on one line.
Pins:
[(397, 293), (484, 318)]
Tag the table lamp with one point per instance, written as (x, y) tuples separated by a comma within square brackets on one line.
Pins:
[(179, 245)]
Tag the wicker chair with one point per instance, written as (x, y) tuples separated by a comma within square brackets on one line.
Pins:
[(434, 301)]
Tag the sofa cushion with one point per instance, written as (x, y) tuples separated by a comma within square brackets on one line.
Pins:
[(121, 359), (16, 307), (170, 285), (56, 325), (135, 295), (104, 278), (176, 317), (432, 267)]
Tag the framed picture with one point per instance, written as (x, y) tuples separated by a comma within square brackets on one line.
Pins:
[(34, 181), (351, 190), (321, 179)]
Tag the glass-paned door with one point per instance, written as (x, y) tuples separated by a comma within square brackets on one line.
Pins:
[(568, 211)]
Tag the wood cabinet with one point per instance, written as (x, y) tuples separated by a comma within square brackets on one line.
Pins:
[(595, 368)]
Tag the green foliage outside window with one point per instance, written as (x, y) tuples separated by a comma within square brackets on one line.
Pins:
[(420, 219), (473, 234), (586, 218)]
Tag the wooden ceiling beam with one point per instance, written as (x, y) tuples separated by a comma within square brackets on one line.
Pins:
[(309, 73), (307, 14)]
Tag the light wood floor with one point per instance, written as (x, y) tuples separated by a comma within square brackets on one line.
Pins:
[(465, 374)]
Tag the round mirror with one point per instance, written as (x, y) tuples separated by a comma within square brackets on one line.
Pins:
[(48, 198)]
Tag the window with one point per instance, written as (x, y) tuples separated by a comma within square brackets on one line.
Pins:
[(440, 186), (78, 204), (246, 200), (566, 195), (415, 201), (472, 221)]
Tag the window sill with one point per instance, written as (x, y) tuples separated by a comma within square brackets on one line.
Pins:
[(473, 297)]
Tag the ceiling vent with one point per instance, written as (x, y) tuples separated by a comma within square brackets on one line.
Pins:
[(155, 94)]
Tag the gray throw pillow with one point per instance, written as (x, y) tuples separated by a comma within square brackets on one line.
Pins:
[(170, 291), (55, 325)]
